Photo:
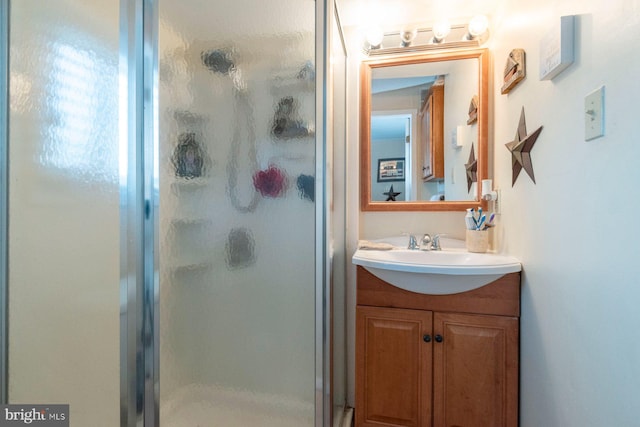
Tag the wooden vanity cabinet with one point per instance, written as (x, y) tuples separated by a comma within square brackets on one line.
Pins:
[(393, 367), (437, 360), (431, 131)]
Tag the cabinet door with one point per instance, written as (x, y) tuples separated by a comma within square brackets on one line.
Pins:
[(432, 133), (426, 137), (475, 371), (393, 367)]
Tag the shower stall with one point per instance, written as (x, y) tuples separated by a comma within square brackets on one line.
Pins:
[(171, 235)]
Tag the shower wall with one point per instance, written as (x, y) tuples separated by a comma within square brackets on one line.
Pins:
[(237, 211), (64, 241)]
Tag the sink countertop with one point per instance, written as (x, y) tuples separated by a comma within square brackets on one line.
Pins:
[(451, 270)]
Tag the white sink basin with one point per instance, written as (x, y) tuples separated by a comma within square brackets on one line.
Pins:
[(449, 271)]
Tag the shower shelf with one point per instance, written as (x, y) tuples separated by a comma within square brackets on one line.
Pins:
[(298, 79), (191, 221), (189, 183), (191, 266), (188, 118), (286, 86)]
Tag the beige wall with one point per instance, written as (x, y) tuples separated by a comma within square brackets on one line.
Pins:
[(578, 279)]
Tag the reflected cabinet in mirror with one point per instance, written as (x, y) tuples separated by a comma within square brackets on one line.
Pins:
[(423, 131)]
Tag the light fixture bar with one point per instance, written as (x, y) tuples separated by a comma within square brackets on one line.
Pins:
[(392, 42)]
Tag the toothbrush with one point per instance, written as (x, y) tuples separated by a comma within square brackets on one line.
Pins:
[(490, 223), (473, 217), (481, 222)]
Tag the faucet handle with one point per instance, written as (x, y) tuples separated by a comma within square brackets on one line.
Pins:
[(413, 244), (425, 242), (435, 244)]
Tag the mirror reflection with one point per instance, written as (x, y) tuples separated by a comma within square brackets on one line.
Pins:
[(420, 139), (425, 149)]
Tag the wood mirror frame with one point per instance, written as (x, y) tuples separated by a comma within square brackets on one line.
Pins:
[(366, 204)]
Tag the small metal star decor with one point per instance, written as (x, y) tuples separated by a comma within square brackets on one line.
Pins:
[(472, 169), (391, 195), (520, 149)]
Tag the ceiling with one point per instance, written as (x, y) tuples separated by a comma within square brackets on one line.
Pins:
[(385, 85), (388, 127), (391, 14)]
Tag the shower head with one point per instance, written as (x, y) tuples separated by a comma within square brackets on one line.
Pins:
[(218, 61)]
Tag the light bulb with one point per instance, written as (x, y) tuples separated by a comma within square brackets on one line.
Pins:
[(441, 30), (374, 36), (478, 25), (407, 35)]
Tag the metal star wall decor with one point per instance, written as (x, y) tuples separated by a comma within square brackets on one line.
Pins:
[(520, 149), (391, 195), (472, 169)]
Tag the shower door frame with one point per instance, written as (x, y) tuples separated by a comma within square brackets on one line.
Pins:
[(4, 197), (139, 385), (139, 354)]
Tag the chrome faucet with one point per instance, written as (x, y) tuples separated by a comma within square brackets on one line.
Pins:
[(429, 243), (425, 243), (435, 243), (413, 244)]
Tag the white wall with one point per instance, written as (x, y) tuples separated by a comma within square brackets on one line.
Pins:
[(573, 230), (461, 84), (386, 149), (401, 101)]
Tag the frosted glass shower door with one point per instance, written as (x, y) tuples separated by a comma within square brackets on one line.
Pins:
[(64, 244), (237, 213)]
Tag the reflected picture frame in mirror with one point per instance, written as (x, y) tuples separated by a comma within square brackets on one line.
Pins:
[(482, 148)]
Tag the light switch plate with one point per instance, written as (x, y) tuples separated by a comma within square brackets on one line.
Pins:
[(594, 114)]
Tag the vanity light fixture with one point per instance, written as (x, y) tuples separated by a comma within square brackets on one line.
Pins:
[(441, 30), (478, 25), (442, 35), (374, 36), (407, 35)]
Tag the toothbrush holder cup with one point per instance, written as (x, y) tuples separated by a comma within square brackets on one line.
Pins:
[(477, 241)]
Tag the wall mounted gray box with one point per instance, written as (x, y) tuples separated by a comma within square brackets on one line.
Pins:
[(556, 48)]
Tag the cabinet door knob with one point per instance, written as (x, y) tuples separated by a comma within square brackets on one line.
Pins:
[(426, 338), (438, 338)]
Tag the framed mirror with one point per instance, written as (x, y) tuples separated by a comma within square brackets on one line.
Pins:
[(424, 131)]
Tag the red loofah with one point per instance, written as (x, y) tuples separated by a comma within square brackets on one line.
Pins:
[(271, 182)]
